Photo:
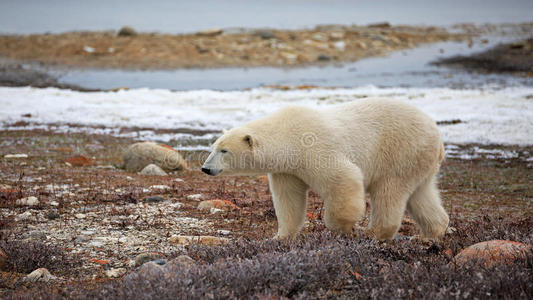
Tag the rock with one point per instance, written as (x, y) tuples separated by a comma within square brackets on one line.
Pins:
[(23, 216), (264, 34), (54, 203), (179, 180), (340, 45), (223, 232), (213, 210), (210, 32), (80, 216), (203, 240), (182, 260), (81, 239), (154, 199), (150, 270), (146, 257), (4, 265), (20, 155), (153, 170), (37, 236), (127, 31), (79, 161), (195, 197), (494, 252), (380, 25), (41, 275), (160, 261), (319, 37), (28, 201), (323, 57), (115, 273), (337, 35), (218, 204), (140, 155)]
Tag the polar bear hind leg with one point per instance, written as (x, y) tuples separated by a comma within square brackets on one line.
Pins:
[(387, 208), (425, 207)]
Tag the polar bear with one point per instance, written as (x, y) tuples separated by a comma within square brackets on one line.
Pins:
[(387, 148)]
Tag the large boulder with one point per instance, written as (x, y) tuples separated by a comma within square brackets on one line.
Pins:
[(139, 155), (494, 252)]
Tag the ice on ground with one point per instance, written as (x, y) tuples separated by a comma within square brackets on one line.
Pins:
[(487, 116)]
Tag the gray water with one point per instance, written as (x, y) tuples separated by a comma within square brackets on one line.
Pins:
[(39, 16), (410, 68)]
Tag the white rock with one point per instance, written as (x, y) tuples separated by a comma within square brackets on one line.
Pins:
[(23, 216), (29, 201), (195, 197), (115, 273), (152, 169), (40, 274), (214, 210), (18, 155), (80, 216), (339, 45), (223, 232), (129, 178), (54, 203), (160, 187), (88, 49), (178, 180)]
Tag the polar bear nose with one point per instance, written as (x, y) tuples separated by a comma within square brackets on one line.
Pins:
[(206, 170)]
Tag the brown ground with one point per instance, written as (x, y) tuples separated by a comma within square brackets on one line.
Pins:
[(515, 57), (250, 49), (470, 190)]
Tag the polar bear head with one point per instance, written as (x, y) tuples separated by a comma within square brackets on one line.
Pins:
[(232, 154)]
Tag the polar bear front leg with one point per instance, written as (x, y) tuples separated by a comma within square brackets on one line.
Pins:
[(289, 194)]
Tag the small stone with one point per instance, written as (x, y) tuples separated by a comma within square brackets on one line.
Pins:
[(203, 240), (223, 232), (80, 216), (178, 180), (28, 201), (195, 197), (54, 203), (127, 31), (146, 257), (19, 155), (215, 210), (115, 273), (154, 199), (264, 34), (319, 37), (159, 187), (323, 57), (494, 252), (340, 45), (81, 239), (210, 32), (23, 216), (37, 236), (41, 274), (79, 161), (218, 204), (52, 215), (337, 35), (160, 261), (153, 170)]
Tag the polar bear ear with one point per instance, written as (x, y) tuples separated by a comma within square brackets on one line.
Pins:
[(249, 139), (224, 131)]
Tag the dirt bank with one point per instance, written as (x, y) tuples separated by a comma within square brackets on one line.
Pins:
[(516, 57), (217, 48)]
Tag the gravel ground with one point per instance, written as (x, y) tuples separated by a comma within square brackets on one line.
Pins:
[(99, 219)]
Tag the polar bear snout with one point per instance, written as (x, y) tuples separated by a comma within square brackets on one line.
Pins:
[(212, 172)]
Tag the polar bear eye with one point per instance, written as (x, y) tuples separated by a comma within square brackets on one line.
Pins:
[(223, 151)]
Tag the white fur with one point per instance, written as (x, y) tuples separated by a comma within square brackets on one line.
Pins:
[(387, 148)]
